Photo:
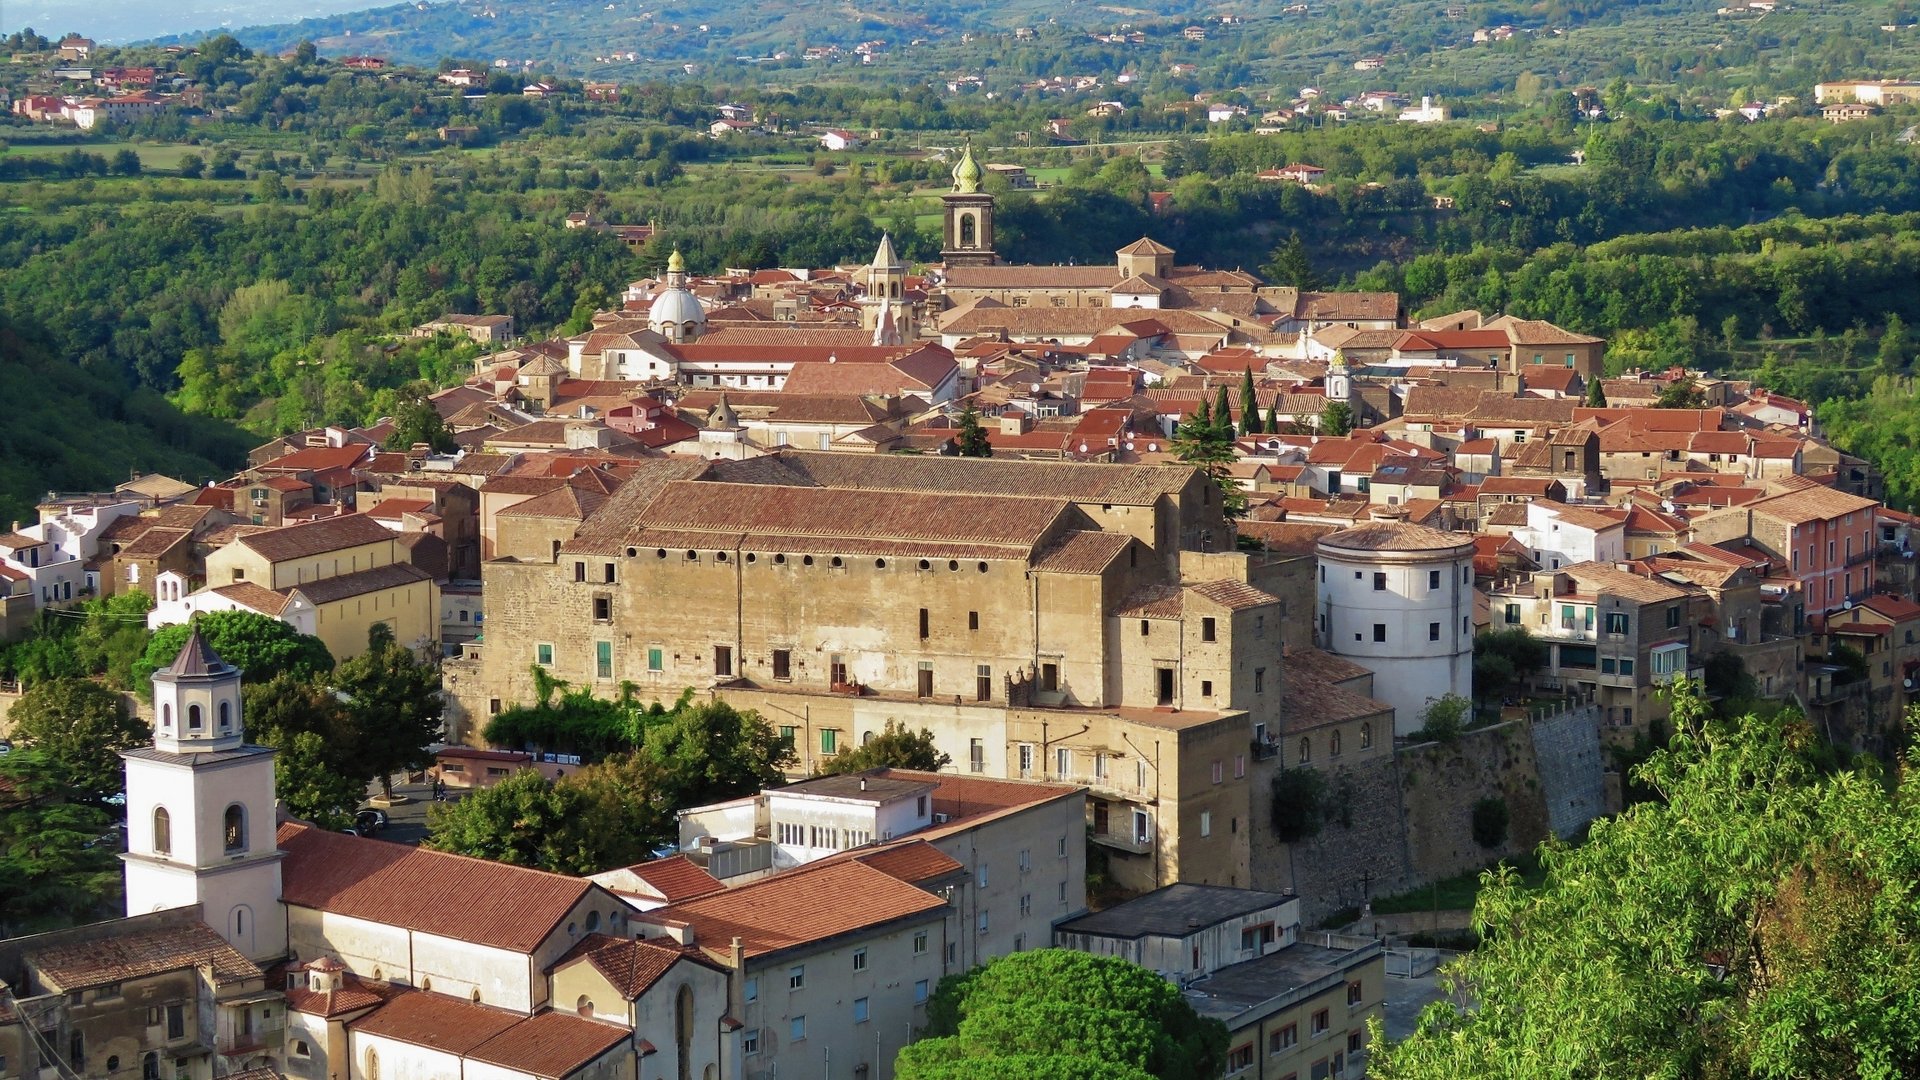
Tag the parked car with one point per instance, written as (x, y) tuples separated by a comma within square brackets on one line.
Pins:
[(370, 821)]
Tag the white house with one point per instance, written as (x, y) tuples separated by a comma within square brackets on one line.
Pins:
[(1559, 535)]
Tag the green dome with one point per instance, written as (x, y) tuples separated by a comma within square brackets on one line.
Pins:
[(968, 174)]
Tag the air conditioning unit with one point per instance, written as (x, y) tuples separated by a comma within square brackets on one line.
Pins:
[(942, 819)]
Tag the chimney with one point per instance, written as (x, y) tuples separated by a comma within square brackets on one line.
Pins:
[(863, 783), (739, 955)]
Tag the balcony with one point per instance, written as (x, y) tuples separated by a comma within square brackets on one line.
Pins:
[(1265, 749), (1128, 841)]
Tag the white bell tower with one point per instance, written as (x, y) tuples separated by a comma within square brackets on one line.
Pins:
[(200, 808), (1339, 380)]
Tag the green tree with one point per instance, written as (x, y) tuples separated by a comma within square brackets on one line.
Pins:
[(126, 162), (416, 421), (1201, 442), (1290, 264), (1056, 1012), (1249, 405), (1503, 658), (709, 752), (1273, 417), (1596, 394), (261, 646), (394, 704), (310, 787), (1223, 414), (1444, 718), (896, 747), (79, 727), (564, 826), (1299, 803), (1490, 822), (1681, 394), (192, 166), (59, 858), (1756, 920), (1896, 346), (1336, 419), (972, 439)]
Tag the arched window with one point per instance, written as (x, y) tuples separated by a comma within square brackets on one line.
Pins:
[(373, 1064), (1366, 736), (162, 831), (235, 829), (1333, 744), (193, 718), (1306, 750), (150, 1066), (966, 230), (593, 921), (226, 716), (584, 1007), (166, 717)]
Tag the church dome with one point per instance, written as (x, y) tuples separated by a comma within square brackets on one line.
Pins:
[(967, 175), (676, 307)]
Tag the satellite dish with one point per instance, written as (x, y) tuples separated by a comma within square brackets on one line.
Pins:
[(1846, 605), (1907, 683), (1153, 448), (1083, 448), (1129, 444)]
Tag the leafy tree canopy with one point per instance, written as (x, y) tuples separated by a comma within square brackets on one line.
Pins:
[(79, 728), (897, 747), (1059, 1013), (393, 701), (972, 440), (1758, 920), (259, 645)]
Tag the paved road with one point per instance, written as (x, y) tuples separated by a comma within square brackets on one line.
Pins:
[(407, 821)]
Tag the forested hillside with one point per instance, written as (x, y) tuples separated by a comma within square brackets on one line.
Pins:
[(72, 427)]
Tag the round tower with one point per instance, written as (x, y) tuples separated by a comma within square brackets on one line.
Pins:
[(676, 313), (1397, 598)]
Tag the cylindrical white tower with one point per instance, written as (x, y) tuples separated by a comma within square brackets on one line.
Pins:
[(1397, 598)]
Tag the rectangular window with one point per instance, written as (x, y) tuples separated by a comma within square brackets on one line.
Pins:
[(829, 741), (603, 659), (1606, 665), (977, 755), (1356, 992), (1219, 772), (983, 922), (973, 620), (750, 991), (1240, 1058), (1433, 579), (797, 1027), (919, 943), (837, 669), (926, 678), (1207, 629), (1433, 631), (723, 660), (176, 1021), (1206, 823), (1286, 1037), (1626, 667), (859, 1010), (750, 1041), (1062, 761), (859, 959), (982, 683), (1026, 758), (982, 875), (1617, 622), (579, 571), (920, 992), (924, 625), (796, 977), (1513, 615), (1673, 616), (609, 574), (783, 663), (1050, 677), (1379, 582), (1239, 766), (789, 735), (655, 660), (1356, 1041), (1319, 1024), (543, 655), (1379, 631), (1259, 680)]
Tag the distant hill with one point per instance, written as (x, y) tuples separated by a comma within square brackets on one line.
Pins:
[(576, 36), (63, 428)]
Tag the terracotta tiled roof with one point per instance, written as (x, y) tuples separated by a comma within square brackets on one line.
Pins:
[(1233, 595), (319, 458), (703, 506), (378, 579), (156, 541), (1299, 538), (1152, 602), (1395, 536), (1604, 579), (676, 878), (428, 891), (631, 966), (436, 1021), (353, 996), (255, 596), (1810, 504), (1033, 277), (1126, 485), (802, 906), (121, 957), (914, 862), (1539, 332), (967, 800), (1313, 703), (1081, 552), (315, 537)]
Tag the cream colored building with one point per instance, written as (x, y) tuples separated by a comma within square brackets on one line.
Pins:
[(1030, 614)]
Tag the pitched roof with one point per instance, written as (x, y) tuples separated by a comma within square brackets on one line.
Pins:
[(1395, 536), (802, 906), (196, 657), (704, 506), (1810, 504), (1081, 552), (315, 537), (152, 950), (1083, 482), (913, 861), (428, 891), (1609, 580), (676, 878), (255, 596), (436, 1021), (377, 579), (630, 965)]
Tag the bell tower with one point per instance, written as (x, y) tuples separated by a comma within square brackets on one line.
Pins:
[(969, 213), (200, 808), (884, 308)]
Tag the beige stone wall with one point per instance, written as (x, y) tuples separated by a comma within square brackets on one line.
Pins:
[(223, 564), (411, 611)]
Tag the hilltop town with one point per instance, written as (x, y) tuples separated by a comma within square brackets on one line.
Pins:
[(1229, 608)]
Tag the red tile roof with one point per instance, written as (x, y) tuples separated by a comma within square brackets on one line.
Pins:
[(552, 1045), (676, 878), (915, 862), (427, 891), (631, 966), (805, 905)]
